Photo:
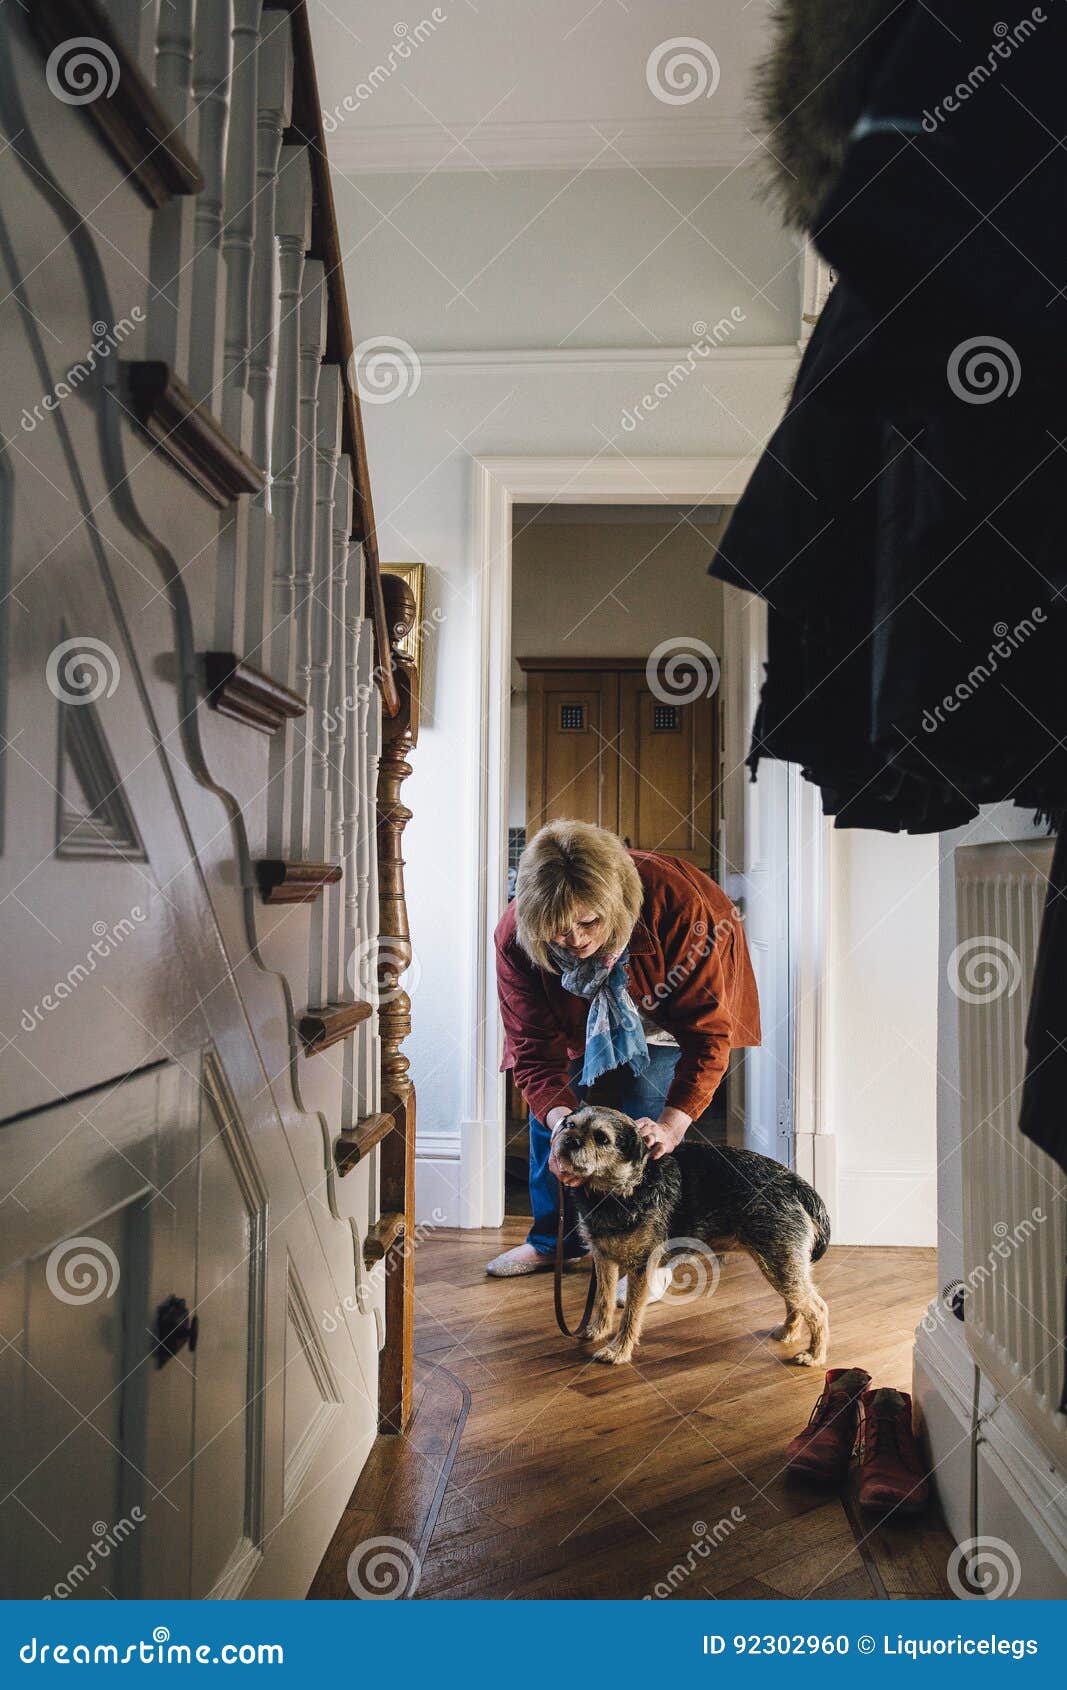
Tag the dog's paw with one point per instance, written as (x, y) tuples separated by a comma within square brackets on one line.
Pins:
[(806, 1358), (614, 1353), (784, 1334), (596, 1334)]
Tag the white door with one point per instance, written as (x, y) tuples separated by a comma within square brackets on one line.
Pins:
[(96, 1429), (755, 873)]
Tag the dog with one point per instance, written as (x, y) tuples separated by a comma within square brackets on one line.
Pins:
[(632, 1211)]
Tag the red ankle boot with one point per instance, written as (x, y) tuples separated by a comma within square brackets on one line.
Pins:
[(892, 1472), (824, 1448)]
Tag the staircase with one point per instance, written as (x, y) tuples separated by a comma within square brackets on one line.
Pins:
[(206, 730)]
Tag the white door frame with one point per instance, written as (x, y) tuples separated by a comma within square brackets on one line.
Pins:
[(500, 483)]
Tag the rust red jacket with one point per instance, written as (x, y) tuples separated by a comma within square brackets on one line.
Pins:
[(689, 971)]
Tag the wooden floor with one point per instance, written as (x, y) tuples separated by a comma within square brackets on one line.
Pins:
[(532, 1471)]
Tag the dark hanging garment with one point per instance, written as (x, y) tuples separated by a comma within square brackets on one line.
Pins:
[(905, 522)]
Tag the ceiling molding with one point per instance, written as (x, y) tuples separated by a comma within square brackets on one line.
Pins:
[(612, 480), (675, 141), (617, 516), (598, 360)]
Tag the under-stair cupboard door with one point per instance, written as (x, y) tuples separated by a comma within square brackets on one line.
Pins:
[(98, 1234)]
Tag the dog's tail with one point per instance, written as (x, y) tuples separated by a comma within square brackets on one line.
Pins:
[(819, 1215)]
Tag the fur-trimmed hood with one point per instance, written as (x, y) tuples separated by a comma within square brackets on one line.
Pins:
[(811, 90)]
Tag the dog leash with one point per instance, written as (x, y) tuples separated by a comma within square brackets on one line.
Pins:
[(582, 1327)]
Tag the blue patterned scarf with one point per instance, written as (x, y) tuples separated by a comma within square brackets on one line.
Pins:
[(613, 1031)]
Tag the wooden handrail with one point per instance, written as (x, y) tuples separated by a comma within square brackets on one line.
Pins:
[(307, 127)]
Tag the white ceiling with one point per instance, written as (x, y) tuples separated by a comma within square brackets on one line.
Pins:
[(513, 84)]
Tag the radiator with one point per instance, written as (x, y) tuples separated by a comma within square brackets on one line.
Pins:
[(1013, 1194)]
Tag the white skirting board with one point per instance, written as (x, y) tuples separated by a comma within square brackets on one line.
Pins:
[(885, 1206), (1022, 1495), (438, 1182)]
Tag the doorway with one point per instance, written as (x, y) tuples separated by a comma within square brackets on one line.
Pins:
[(615, 701), (758, 869)]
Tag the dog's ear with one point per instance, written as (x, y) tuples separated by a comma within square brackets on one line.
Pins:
[(630, 1144)]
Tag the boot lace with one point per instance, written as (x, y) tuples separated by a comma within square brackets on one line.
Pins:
[(884, 1434)]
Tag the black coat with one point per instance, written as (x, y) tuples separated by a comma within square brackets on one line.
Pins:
[(907, 523)]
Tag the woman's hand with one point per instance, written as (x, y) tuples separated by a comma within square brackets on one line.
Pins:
[(564, 1175), (664, 1135)]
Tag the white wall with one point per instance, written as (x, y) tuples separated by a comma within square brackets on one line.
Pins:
[(605, 590), (881, 1053), (562, 279)]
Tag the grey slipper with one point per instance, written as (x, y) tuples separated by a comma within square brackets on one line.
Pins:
[(511, 1263)]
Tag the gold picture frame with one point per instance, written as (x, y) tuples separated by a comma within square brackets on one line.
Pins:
[(414, 575)]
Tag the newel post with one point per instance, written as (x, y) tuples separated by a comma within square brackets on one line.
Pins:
[(397, 1165)]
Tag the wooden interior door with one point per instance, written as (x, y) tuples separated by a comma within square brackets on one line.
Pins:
[(572, 754), (602, 746), (667, 785)]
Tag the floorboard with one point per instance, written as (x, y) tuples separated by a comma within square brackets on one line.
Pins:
[(531, 1471)]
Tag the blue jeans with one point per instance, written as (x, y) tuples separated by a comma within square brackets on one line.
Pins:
[(635, 1095)]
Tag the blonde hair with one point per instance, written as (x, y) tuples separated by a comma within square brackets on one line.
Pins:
[(568, 864)]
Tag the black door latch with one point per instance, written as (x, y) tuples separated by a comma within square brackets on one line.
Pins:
[(175, 1328)]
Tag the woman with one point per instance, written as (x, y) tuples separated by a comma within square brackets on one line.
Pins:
[(622, 975)]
